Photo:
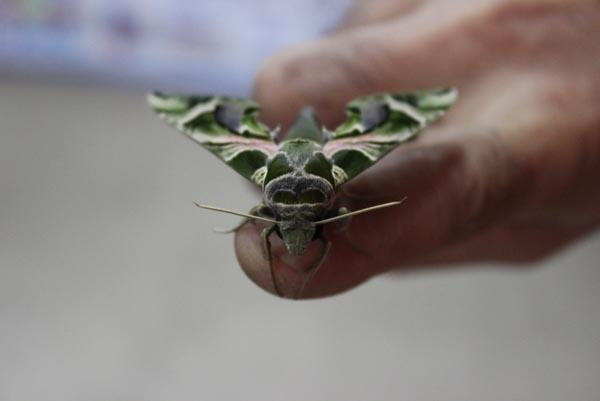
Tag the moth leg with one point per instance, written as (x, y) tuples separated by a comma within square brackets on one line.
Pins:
[(315, 267), (255, 211), (344, 226), (344, 223), (266, 249)]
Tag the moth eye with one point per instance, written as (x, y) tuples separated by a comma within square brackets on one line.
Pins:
[(265, 211), (286, 197), (312, 196)]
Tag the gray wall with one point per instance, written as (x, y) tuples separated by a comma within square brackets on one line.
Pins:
[(113, 287)]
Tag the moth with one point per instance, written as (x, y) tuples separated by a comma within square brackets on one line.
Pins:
[(300, 174)]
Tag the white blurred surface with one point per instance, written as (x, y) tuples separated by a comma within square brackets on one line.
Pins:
[(207, 46), (113, 287)]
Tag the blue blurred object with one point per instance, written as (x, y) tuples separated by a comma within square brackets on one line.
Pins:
[(184, 45)]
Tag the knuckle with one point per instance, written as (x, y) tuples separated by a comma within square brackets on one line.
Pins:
[(365, 12), (499, 180), (279, 88), (324, 74), (267, 79), (518, 26)]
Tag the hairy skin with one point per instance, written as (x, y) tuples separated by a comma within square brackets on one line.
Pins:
[(511, 174)]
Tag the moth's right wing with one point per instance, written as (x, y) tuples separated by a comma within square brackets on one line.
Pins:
[(227, 127), (379, 123)]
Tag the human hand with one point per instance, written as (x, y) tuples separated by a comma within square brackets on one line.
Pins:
[(511, 174)]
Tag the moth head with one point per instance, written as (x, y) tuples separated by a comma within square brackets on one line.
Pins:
[(298, 224), (297, 234)]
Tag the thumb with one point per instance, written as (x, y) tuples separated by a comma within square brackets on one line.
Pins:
[(453, 190)]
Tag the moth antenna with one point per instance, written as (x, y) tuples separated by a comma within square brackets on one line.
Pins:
[(361, 211), (250, 216), (221, 230)]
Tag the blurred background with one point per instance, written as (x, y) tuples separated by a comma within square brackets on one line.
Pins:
[(113, 286)]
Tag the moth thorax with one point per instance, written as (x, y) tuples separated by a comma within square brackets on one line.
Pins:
[(298, 189)]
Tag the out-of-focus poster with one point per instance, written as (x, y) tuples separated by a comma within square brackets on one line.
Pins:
[(190, 45)]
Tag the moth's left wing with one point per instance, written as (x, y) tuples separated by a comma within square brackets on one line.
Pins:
[(377, 124), (225, 126)]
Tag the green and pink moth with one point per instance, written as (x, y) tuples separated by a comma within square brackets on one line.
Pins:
[(300, 174)]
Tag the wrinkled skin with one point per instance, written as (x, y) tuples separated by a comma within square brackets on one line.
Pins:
[(511, 175)]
